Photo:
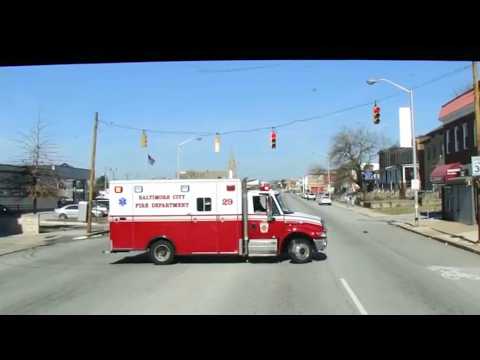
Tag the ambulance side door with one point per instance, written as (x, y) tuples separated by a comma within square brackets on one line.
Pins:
[(258, 225), (203, 227)]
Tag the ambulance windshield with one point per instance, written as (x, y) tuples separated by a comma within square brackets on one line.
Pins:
[(281, 202)]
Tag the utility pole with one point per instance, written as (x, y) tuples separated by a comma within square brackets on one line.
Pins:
[(105, 180), (92, 175), (476, 106)]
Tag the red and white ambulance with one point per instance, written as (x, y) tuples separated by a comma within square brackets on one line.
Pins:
[(209, 216)]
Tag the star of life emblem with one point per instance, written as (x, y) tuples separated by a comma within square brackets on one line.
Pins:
[(122, 201)]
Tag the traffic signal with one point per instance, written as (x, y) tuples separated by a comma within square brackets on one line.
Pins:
[(273, 139), (376, 114), (143, 139)]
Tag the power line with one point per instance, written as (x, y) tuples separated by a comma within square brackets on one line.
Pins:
[(441, 77), (291, 122), (238, 69), (174, 132)]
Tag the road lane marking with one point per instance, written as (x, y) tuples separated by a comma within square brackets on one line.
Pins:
[(354, 297), (455, 273)]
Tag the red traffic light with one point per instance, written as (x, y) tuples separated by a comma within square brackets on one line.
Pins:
[(376, 114), (273, 139)]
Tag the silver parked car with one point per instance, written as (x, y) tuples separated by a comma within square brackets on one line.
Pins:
[(71, 211)]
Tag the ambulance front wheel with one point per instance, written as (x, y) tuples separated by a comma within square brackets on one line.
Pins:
[(162, 252), (300, 251)]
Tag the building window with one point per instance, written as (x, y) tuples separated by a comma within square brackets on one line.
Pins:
[(204, 204), (457, 142), (465, 136), (447, 141)]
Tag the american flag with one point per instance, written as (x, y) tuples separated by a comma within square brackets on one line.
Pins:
[(151, 160)]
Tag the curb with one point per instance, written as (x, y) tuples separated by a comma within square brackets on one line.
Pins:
[(8, 252), (406, 227), (91, 235), (29, 247), (455, 244), (458, 236)]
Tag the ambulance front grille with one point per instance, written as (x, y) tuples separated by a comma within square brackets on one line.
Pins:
[(262, 247)]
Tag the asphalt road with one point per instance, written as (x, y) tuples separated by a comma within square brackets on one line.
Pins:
[(370, 267)]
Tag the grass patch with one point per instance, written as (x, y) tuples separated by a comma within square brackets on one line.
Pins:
[(395, 210), (406, 210)]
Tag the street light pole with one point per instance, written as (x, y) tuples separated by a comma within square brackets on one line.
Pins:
[(179, 146), (414, 142), (414, 158)]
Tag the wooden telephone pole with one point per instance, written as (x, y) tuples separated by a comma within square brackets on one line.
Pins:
[(476, 106), (91, 186)]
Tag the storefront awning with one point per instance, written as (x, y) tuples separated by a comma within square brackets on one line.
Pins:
[(442, 173)]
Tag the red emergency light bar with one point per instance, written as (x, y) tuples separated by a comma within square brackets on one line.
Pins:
[(265, 187), (230, 187)]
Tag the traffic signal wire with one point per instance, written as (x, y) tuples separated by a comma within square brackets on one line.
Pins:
[(291, 122)]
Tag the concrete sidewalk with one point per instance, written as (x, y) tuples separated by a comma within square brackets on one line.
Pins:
[(372, 213), (14, 243), (448, 232)]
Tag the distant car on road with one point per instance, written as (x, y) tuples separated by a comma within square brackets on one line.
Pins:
[(324, 199), (311, 196), (71, 211)]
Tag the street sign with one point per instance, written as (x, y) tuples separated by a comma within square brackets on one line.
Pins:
[(475, 165), (415, 184)]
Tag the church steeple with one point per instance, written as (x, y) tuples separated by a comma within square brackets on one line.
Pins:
[(232, 166)]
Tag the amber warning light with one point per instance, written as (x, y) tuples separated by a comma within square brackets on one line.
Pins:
[(118, 189)]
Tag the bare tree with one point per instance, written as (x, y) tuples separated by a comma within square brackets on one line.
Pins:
[(349, 150), (317, 169), (38, 155)]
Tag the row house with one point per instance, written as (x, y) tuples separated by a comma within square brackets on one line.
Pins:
[(319, 182), (447, 153), (395, 167), (431, 154), (65, 181)]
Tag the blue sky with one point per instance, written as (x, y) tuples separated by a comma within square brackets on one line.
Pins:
[(210, 97)]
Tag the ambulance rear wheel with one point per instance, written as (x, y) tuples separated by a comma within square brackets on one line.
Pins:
[(162, 252), (300, 251)]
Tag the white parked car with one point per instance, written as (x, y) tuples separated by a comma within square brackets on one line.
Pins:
[(71, 211), (324, 199), (310, 196)]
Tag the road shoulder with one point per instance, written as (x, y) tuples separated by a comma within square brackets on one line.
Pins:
[(15, 243), (426, 231)]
